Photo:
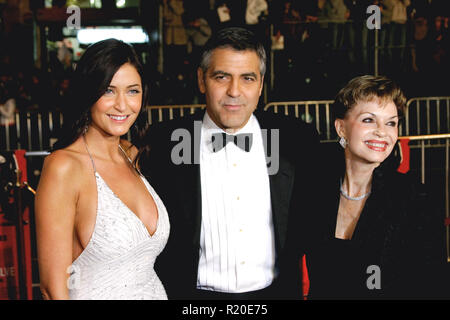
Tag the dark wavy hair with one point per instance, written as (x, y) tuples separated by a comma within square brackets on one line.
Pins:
[(367, 88), (92, 76), (236, 38)]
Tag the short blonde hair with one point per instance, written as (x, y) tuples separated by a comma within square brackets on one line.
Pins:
[(368, 88)]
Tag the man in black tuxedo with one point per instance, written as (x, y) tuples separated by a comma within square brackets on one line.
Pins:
[(228, 203)]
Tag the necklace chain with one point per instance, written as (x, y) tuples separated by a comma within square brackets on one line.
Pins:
[(348, 197)]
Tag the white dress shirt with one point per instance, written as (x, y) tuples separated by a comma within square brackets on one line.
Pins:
[(237, 246)]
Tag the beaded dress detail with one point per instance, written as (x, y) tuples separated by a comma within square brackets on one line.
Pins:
[(117, 263)]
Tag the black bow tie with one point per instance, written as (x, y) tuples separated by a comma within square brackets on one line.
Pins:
[(242, 140)]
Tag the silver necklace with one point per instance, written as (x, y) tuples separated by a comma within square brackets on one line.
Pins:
[(346, 196)]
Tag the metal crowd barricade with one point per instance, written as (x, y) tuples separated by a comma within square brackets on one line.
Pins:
[(35, 131), (31, 130), (422, 146), (423, 116), (427, 115), (316, 112), (169, 112)]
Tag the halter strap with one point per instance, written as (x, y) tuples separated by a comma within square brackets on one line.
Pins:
[(129, 160), (90, 156), (121, 149)]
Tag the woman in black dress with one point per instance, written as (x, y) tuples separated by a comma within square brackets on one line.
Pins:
[(372, 232)]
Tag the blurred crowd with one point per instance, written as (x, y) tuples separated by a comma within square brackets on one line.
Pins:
[(314, 46), (327, 42), (319, 43)]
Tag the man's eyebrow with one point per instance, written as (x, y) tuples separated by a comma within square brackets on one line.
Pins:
[(220, 72), (250, 74), (217, 72)]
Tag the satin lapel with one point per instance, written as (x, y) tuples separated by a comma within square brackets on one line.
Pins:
[(196, 193), (197, 208), (374, 220), (191, 201), (191, 198), (196, 219), (188, 176), (187, 180), (281, 184)]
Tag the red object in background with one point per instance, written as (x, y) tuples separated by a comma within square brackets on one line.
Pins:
[(404, 148), (305, 278), (9, 266), (10, 252)]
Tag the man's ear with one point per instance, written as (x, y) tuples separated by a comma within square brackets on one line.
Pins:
[(340, 129), (201, 80)]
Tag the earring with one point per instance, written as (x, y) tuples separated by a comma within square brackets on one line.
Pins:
[(87, 122), (343, 142)]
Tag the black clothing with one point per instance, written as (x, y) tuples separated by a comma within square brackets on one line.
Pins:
[(179, 188), (398, 232)]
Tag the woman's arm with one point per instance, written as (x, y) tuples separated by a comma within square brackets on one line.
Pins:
[(55, 206)]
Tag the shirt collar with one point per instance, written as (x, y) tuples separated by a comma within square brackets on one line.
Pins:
[(209, 127)]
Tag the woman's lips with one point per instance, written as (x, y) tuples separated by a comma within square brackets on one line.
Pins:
[(118, 118), (376, 145)]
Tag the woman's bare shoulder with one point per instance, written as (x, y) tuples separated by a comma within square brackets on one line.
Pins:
[(62, 160), (68, 163), (62, 177)]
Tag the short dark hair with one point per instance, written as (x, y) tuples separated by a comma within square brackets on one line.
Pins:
[(92, 76), (368, 88), (239, 39)]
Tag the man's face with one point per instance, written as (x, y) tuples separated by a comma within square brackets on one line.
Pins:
[(232, 86)]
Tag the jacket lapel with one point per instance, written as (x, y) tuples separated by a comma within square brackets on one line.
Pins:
[(281, 185), (281, 181), (193, 187)]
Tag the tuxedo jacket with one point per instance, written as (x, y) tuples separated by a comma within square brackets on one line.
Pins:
[(179, 187)]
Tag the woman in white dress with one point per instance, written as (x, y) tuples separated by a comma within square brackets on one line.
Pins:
[(99, 224)]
